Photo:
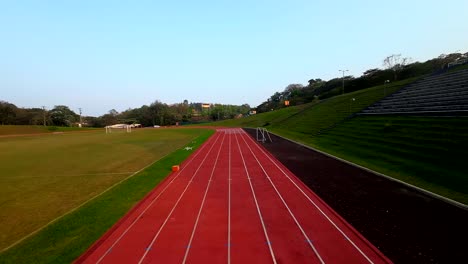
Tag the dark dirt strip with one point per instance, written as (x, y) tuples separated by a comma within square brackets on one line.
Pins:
[(408, 226)]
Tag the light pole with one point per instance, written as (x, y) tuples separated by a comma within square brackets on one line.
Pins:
[(44, 114), (350, 101), (80, 117), (343, 71), (385, 87)]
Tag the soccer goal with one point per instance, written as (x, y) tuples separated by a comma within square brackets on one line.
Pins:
[(263, 134), (119, 128)]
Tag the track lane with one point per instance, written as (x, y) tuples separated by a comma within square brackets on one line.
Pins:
[(286, 239), (129, 239), (209, 236), (230, 230), (334, 239), (237, 217), (170, 243)]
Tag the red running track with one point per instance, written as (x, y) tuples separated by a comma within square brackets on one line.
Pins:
[(232, 202)]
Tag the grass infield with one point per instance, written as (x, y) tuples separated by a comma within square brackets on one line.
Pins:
[(68, 237), (6, 130)]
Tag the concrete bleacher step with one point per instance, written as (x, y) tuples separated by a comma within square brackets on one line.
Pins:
[(445, 79), (417, 113), (450, 92), (407, 103), (410, 90), (444, 82), (422, 108), (419, 108), (447, 92), (454, 93), (425, 86), (448, 75), (425, 82)]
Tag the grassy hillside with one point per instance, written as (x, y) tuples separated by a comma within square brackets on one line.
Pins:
[(429, 152), (424, 151), (308, 119)]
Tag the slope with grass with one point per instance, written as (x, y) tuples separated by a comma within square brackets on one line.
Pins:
[(309, 119), (44, 176), (428, 152), (424, 151)]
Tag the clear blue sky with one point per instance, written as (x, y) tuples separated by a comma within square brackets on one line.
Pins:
[(100, 55)]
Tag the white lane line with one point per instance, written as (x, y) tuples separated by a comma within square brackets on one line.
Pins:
[(229, 203), (285, 204), (194, 229), (149, 205), (316, 206), (256, 203), (177, 203)]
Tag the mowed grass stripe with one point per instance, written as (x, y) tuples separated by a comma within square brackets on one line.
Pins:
[(27, 203), (415, 154), (10, 130)]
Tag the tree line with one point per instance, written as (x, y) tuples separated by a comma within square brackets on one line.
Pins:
[(395, 67), (157, 113)]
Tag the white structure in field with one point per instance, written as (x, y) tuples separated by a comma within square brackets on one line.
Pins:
[(120, 127)]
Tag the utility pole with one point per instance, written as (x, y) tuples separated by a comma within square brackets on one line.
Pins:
[(44, 115), (385, 87), (350, 101), (80, 116), (343, 78)]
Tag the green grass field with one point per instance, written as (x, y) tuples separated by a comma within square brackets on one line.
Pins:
[(45, 176), (423, 151), (24, 130)]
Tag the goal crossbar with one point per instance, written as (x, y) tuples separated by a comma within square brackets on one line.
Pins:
[(263, 135)]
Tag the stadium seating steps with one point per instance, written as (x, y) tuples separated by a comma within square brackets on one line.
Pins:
[(445, 93)]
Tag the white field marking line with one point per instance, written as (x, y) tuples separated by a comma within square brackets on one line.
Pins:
[(229, 203), (194, 229), (285, 204), (256, 203), (177, 203), (94, 174), (316, 206), (152, 202), (79, 206), (74, 175)]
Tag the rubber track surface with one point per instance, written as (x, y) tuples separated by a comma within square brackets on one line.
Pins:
[(232, 202)]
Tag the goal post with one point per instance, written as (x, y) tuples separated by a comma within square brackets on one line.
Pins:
[(263, 135), (119, 128)]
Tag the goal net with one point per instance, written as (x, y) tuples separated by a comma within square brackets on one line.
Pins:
[(119, 128)]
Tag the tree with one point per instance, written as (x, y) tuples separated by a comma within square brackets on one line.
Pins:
[(7, 113), (61, 115), (396, 63), (371, 72)]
